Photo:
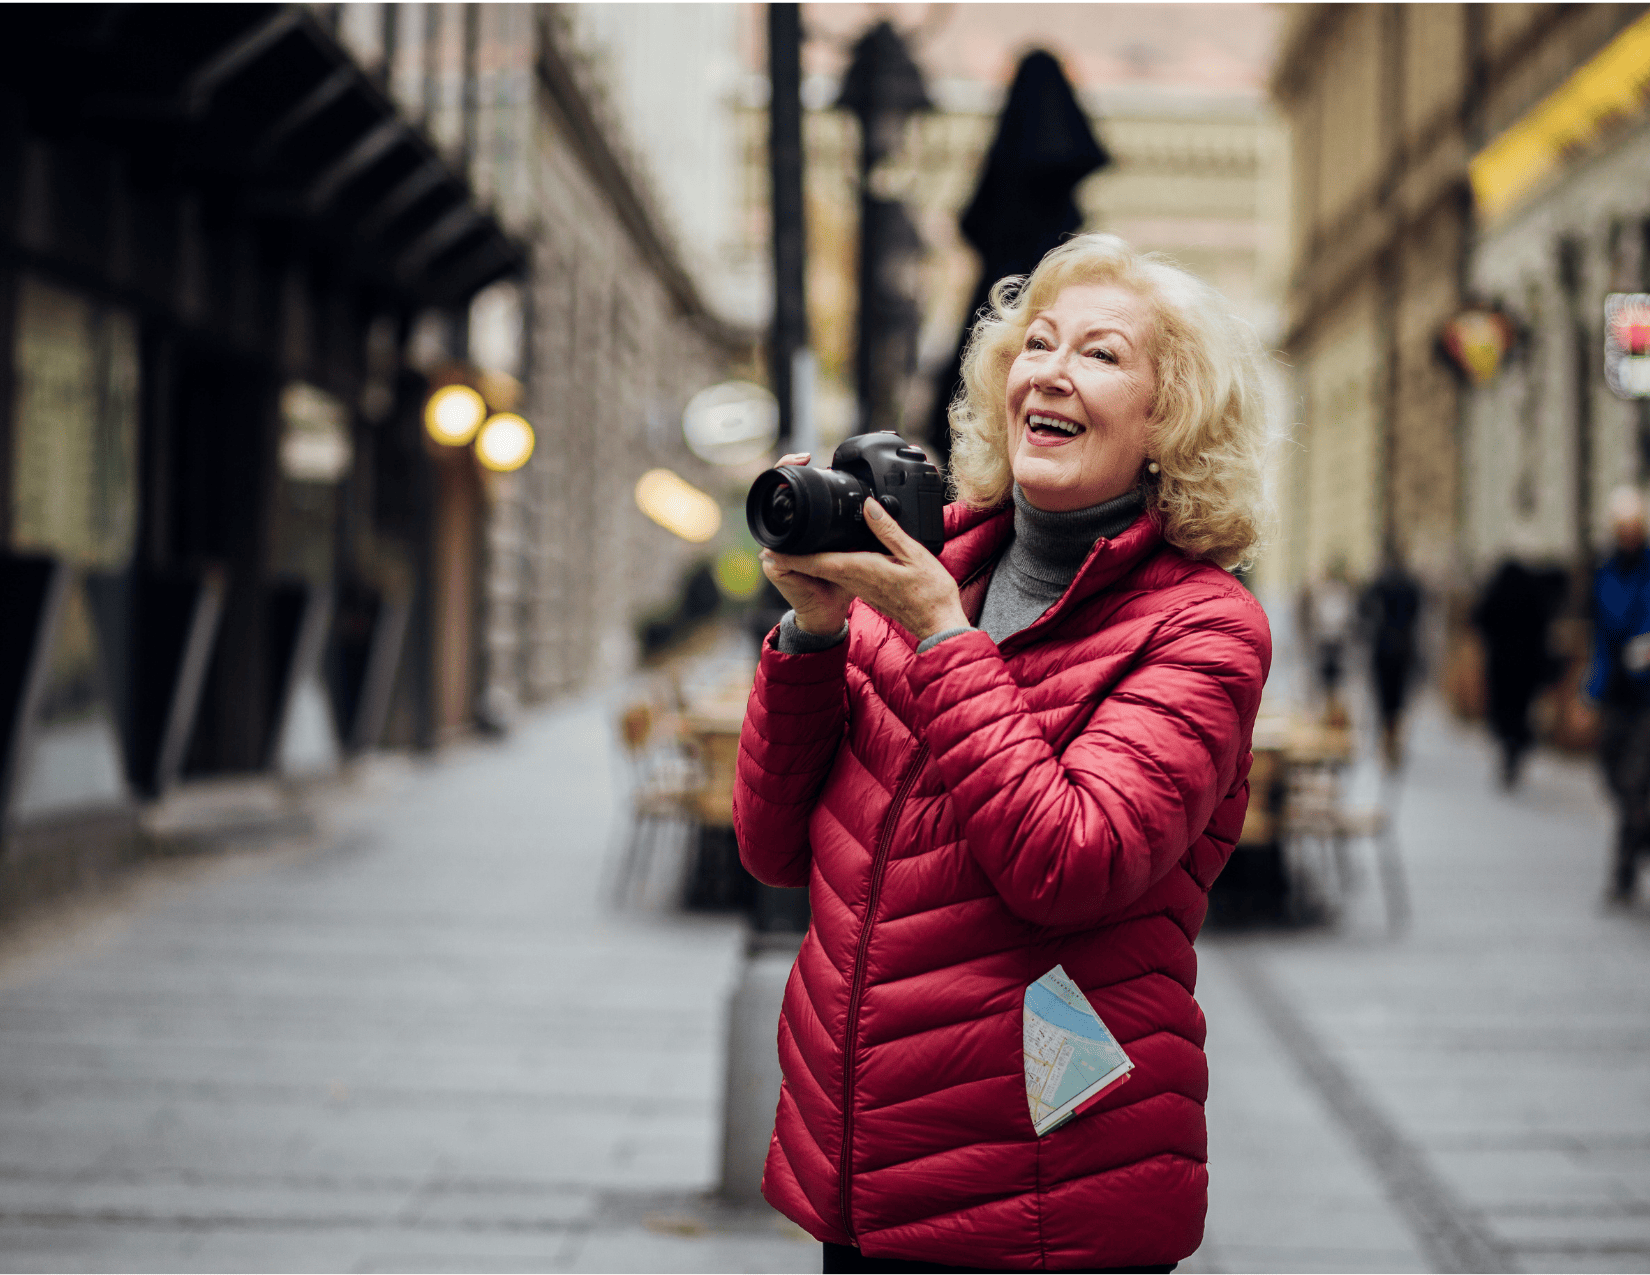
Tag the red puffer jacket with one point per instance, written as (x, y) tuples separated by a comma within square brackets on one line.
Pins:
[(966, 819)]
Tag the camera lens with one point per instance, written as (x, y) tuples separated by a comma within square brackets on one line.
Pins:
[(783, 505), (780, 512), (777, 508), (797, 509)]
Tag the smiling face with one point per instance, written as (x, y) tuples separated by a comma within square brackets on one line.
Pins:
[(1627, 520), (1079, 398)]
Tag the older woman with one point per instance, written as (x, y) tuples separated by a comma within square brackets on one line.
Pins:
[(1030, 751)]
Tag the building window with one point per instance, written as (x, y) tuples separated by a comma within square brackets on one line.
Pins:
[(75, 496), (74, 431), (315, 456)]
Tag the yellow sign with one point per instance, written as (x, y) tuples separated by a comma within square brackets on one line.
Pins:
[(1477, 341), (1610, 87)]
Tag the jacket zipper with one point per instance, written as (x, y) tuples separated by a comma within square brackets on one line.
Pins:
[(856, 992)]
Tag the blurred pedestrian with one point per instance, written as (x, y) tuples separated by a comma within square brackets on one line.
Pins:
[(1326, 616), (1392, 609), (1513, 616), (1042, 766), (1620, 682)]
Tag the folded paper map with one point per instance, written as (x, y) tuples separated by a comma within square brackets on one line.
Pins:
[(1071, 1059)]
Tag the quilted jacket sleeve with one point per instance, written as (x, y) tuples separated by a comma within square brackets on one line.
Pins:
[(1071, 839), (793, 725)]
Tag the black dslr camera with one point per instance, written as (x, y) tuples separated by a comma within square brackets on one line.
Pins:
[(799, 509)]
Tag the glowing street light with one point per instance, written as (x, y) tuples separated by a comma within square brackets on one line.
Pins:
[(505, 442), (678, 506), (453, 414), (738, 573), (731, 423)]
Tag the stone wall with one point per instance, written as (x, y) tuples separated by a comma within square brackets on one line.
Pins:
[(614, 356), (616, 333)]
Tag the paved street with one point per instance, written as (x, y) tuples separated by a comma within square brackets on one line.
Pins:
[(420, 1044), (423, 1042), (1472, 1095)]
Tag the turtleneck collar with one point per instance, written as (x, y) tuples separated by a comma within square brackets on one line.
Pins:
[(1051, 546)]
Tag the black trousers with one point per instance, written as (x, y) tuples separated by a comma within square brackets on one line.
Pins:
[(841, 1257), (1624, 751), (1391, 670)]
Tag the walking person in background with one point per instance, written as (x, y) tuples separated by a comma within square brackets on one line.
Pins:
[(1620, 682), (1513, 615), (1327, 611), (1392, 609), (1029, 752)]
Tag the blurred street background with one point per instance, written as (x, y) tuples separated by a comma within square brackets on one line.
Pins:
[(379, 389)]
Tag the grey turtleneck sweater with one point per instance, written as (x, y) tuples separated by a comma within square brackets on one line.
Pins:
[(1041, 562)]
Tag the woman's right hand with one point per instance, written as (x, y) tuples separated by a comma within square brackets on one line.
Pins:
[(821, 607)]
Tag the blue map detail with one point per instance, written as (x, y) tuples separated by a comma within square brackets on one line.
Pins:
[(1089, 1063), (1051, 1009)]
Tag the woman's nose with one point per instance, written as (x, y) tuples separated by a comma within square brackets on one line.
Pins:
[(1054, 376)]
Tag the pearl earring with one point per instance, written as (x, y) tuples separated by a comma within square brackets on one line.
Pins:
[(1152, 468)]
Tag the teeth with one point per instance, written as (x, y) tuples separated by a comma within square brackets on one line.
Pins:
[(1053, 422)]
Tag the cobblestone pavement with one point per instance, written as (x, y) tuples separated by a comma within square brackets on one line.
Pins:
[(424, 1043)]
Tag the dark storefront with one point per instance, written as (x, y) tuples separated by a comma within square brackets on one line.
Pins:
[(219, 512)]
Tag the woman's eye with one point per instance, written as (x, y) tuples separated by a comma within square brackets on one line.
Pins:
[(1036, 343), (1104, 355)]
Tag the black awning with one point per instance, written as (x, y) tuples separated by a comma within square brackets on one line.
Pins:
[(259, 100)]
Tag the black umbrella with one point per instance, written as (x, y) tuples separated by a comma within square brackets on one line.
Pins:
[(1023, 205)]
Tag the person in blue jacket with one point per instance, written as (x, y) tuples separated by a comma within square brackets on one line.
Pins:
[(1620, 682)]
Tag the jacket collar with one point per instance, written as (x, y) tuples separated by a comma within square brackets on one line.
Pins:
[(975, 538), (1627, 566)]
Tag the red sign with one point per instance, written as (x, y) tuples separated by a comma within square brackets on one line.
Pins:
[(1627, 344)]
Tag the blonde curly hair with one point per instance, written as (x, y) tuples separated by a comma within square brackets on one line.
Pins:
[(1207, 430)]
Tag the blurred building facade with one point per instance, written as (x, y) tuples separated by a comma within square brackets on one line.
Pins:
[(239, 245), (1467, 189), (1176, 94)]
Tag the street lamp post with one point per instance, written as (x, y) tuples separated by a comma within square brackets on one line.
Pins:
[(787, 372), (883, 87)]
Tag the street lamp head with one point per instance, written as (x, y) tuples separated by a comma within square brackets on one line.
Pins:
[(882, 77), (678, 506), (505, 443), (453, 414)]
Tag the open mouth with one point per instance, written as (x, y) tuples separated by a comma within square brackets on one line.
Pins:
[(1052, 426)]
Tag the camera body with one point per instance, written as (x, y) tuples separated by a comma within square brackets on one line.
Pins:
[(799, 509)]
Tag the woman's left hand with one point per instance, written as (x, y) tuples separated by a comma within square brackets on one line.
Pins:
[(907, 584)]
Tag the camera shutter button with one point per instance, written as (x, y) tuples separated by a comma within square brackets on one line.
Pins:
[(911, 453)]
